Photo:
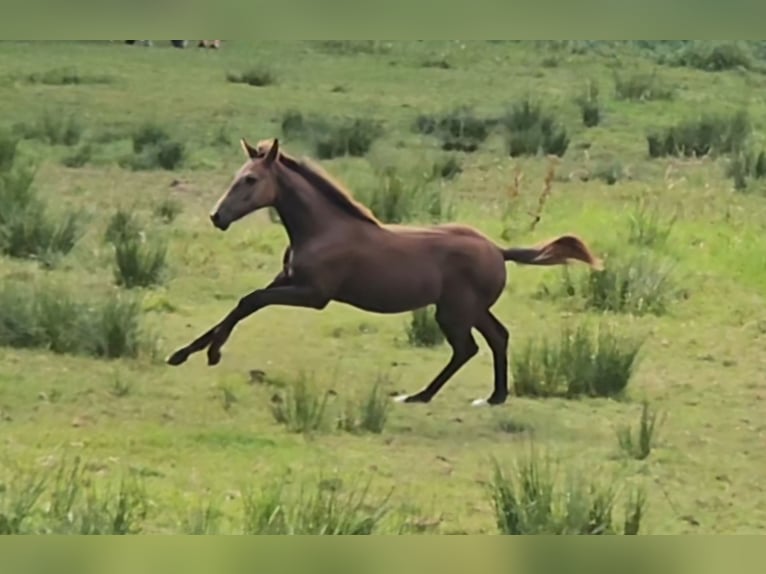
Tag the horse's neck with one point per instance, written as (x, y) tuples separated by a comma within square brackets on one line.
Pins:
[(305, 213)]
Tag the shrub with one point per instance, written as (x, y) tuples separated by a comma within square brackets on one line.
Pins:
[(609, 172), (590, 106), (257, 76), (718, 134), (460, 129), (531, 130), (27, 229), (640, 446), (641, 87), (154, 148), (446, 168), (54, 128), (582, 362), (323, 509), (293, 124), (301, 407), (746, 168), (51, 318), (353, 137), (139, 263), (531, 500), (634, 283), (424, 330), (369, 415)]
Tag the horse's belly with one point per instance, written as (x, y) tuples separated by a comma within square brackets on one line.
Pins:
[(390, 290)]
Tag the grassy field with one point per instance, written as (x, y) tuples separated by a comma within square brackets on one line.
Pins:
[(198, 441)]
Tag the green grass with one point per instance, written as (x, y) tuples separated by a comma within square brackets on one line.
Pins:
[(701, 361)]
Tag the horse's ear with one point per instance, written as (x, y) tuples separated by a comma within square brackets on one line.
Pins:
[(273, 152), (249, 150)]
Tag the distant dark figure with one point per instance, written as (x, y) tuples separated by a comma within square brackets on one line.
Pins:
[(179, 43), (215, 44)]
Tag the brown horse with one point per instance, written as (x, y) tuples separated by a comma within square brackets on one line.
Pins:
[(340, 252)]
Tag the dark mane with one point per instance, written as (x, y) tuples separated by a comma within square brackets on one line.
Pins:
[(332, 190)]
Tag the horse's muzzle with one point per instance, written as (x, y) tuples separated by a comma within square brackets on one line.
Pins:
[(216, 219)]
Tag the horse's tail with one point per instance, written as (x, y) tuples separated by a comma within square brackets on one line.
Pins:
[(555, 252)]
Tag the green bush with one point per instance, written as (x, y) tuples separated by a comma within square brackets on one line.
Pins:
[(581, 362), (641, 87), (80, 157), (713, 57), (154, 148), (460, 129), (67, 76), (140, 263), (352, 137), (531, 130), (590, 105), (398, 197), (368, 415)]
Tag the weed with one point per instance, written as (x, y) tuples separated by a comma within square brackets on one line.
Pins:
[(369, 415), (746, 168), (397, 198), (446, 168), (423, 329), (120, 388), (80, 157), (590, 106), (154, 148), (532, 500), (301, 407), (323, 509), (708, 134), (203, 518), (123, 226), (635, 283), (460, 129), (54, 128), (582, 362), (639, 447), (139, 263), (352, 137), (531, 130)]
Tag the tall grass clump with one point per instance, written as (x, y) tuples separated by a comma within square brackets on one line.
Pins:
[(168, 209), (301, 406), (648, 227), (51, 318), (257, 76), (590, 105), (139, 262), (460, 129), (580, 362), (66, 76), (368, 415), (347, 137), (55, 127), (532, 499), (707, 134), (636, 283), (423, 330), (28, 229), (154, 148), (639, 445), (398, 197), (641, 87), (531, 130), (321, 509)]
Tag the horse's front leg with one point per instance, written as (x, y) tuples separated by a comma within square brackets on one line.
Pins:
[(289, 295), (201, 342)]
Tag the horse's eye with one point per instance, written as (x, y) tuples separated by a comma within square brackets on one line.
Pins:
[(250, 180)]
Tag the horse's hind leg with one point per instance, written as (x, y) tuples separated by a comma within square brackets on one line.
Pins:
[(496, 335), (455, 323)]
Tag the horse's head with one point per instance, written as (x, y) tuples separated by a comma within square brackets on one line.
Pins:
[(254, 185)]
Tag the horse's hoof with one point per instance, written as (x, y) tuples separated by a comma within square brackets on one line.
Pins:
[(401, 398), (178, 357), (213, 357), (480, 403), (491, 402)]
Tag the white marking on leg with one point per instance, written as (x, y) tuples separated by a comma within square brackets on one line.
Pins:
[(400, 398), (479, 403)]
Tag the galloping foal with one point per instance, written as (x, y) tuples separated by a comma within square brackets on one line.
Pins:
[(340, 252)]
